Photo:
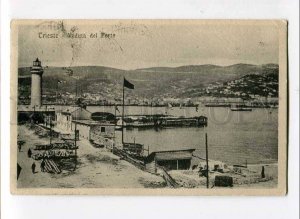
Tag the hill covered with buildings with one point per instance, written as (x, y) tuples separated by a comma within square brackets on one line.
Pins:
[(157, 85)]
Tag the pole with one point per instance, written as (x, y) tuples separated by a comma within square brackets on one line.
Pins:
[(56, 91), (123, 115), (75, 140), (114, 141), (76, 89), (50, 130), (207, 169)]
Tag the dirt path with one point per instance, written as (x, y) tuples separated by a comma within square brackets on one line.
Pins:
[(97, 168)]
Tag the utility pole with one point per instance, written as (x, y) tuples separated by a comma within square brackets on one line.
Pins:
[(123, 115), (76, 89), (75, 140), (114, 138), (207, 169), (56, 92), (50, 130)]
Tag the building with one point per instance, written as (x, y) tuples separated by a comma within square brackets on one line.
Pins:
[(170, 160), (99, 133), (36, 83), (64, 118), (92, 130)]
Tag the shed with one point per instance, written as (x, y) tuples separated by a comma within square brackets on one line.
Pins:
[(170, 160)]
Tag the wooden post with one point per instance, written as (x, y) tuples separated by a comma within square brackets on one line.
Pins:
[(114, 135), (50, 131), (207, 169), (75, 140), (123, 115), (76, 90), (56, 91)]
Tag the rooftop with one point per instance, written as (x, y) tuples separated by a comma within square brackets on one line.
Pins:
[(171, 155)]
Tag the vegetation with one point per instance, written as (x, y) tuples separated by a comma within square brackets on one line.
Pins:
[(103, 85)]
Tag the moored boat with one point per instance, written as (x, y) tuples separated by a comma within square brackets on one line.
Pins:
[(217, 105), (241, 109)]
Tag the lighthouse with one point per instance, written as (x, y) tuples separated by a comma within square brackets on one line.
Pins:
[(36, 83)]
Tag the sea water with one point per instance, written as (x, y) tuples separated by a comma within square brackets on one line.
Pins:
[(235, 137)]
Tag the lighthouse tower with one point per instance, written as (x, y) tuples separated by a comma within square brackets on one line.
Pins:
[(36, 83)]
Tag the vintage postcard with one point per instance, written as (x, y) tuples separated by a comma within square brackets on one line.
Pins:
[(149, 107)]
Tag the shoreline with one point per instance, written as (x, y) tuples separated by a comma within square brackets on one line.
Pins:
[(99, 168), (156, 106), (96, 168)]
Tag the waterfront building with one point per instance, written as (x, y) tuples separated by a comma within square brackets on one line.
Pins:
[(93, 130), (171, 160), (64, 118)]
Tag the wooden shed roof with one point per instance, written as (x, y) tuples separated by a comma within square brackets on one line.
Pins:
[(170, 155)]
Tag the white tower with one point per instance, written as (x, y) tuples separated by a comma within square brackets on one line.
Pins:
[(36, 83)]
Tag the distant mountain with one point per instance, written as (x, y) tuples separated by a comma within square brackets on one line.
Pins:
[(271, 65), (185, 68), (86, 71), (149, 82)]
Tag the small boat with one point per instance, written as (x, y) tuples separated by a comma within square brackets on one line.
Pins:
[(241, 108), (217, 105)]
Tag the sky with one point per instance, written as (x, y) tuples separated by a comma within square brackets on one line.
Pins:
[(140, 44)]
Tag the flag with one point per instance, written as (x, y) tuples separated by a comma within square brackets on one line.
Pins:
[(19, 168), (128, 84)]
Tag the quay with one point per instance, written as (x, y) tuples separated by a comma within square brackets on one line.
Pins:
[(162, 121)]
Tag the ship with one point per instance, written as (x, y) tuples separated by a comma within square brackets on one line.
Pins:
[(218, 105), (240, 107)]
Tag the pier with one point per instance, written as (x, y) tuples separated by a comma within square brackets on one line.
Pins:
[(163, 121)]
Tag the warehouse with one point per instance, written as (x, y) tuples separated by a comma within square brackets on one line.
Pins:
[(170, 160)]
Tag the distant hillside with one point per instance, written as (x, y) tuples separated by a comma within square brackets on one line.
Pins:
[(149, 82), (205, 68)]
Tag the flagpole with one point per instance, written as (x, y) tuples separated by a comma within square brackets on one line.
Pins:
[(123, 114), (114, 141), (56, 91)]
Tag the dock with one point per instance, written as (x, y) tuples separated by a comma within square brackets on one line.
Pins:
[(164, 121)]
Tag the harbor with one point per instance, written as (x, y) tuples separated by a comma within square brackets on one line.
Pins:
[(166, 143), (225, 149), (101, 168)]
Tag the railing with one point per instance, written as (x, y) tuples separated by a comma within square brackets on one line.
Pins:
[(167, 177)]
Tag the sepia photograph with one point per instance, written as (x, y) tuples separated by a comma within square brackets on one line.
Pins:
[(149, 107)]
